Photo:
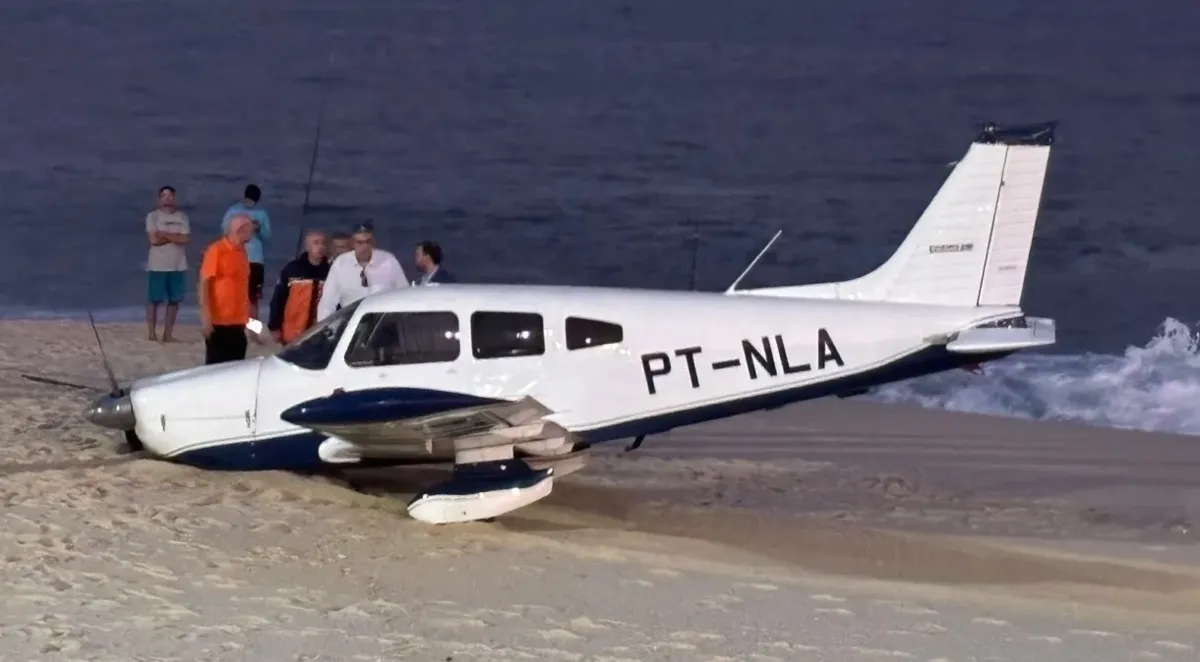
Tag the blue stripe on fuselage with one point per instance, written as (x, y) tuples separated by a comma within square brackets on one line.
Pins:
[(298, 451)]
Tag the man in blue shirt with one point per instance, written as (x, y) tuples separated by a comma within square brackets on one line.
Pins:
[(255, 248)]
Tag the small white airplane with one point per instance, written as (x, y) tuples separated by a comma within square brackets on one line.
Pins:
[(514, 383)]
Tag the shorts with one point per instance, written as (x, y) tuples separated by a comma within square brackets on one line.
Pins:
[(224, 344), (256, 281), (164, 286)]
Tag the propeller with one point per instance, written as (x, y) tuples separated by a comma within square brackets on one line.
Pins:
[(135, 445)]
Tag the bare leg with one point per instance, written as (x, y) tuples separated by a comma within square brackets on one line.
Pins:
[(151, 320), (169, 322)]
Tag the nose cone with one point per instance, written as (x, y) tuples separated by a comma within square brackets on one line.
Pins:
[(110, 411)]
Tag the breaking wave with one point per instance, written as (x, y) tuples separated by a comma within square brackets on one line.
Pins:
[(1154, 387)]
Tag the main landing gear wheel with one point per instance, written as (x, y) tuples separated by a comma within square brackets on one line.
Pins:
[(482, 491), (132, 443)]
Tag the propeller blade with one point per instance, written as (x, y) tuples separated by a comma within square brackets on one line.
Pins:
[(112, 378), (56, 382)]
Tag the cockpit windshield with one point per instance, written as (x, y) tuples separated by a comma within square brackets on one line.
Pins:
[(313, 349)]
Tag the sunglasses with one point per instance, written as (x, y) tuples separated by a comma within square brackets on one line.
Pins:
[(362, 276)]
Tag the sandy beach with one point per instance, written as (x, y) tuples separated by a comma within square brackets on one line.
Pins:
[(832, 530)]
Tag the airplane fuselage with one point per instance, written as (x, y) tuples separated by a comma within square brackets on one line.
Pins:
[(610, 363)]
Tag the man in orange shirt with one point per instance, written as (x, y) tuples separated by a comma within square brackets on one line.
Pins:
[(225, 293)]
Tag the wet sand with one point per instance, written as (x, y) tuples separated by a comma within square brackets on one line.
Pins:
[(832, 530)]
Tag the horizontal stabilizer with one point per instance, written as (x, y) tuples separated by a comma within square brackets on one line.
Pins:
[(1037, 332)]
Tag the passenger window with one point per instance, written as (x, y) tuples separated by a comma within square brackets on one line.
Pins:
[(382, 339), (583, 333), (497, 335)]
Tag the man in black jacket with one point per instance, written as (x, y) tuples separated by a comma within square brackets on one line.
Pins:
[(294, 303), (428, 258)]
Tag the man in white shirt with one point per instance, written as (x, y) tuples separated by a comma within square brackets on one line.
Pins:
[(362, 271)]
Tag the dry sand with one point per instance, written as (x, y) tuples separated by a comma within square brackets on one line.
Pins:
[(825, 531)]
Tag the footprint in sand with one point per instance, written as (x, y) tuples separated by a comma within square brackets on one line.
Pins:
[(453, 623), (720, 602), (585, 623), (690, 635), (787, 646), (836, 611), (928, 628), (880, 652), (1093, 633), (913, 610), (757, 587)]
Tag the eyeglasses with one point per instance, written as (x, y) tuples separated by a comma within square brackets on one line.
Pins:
[(362, 276)]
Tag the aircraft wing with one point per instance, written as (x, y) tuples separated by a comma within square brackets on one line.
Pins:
[(390, 421)]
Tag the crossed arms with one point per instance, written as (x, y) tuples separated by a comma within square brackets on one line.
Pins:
[(160, 238)]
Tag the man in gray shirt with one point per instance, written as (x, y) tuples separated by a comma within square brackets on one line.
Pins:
[(169, 231)]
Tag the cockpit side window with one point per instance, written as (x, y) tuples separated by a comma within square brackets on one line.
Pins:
[(497, 335), (383, 339), (583, 333), (313, 349)]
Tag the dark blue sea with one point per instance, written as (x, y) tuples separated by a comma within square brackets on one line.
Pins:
[(563, 141)]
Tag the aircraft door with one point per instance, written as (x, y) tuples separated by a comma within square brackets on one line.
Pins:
[(403, 349)]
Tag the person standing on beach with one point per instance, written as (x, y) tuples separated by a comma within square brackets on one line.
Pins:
[(339, 242), (364, 270), (224, 293), (294, 303), (169, 231), (428, 258), (256, 247)]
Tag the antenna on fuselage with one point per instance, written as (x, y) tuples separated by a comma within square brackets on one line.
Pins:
[(754, 261), (695, 252)]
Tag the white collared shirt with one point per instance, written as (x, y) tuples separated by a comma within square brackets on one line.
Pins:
[(344, 285), (426, 276)]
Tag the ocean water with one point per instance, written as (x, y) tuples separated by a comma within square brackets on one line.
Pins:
[(586, 142)]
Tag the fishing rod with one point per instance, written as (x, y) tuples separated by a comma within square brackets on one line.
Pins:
[(312, 169), (316, 149)]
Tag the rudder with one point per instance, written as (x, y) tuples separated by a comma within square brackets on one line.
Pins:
[(971, 245)]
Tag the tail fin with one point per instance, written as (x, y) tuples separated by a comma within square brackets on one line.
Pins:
[(971, 245)]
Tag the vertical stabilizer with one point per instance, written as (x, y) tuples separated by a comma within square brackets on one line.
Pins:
[(971, 245)]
